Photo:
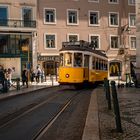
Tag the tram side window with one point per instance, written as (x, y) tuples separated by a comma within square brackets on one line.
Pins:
[(101, 64), (77, 59), (86, 61), (61, 59), (105, 65), (68, 59), (93, 62), (97, 64)]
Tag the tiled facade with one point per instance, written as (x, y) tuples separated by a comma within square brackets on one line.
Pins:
[(109, 23)]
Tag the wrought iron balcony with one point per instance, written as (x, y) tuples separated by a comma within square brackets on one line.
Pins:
[(18, 23)]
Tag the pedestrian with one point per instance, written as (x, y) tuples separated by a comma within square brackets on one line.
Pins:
[(10, 75), (36, 75), (42, 75), (32, 75), (25, 77), (2, 77)]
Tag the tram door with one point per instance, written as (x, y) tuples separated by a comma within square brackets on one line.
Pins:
[(86, 67)]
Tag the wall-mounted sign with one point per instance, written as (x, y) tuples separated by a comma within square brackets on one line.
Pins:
[(48, 58), (115, 68)]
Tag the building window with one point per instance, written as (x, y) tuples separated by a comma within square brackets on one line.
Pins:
[(27, 16), (93, 18), (113, 1), (132, 20), (133, 42), (114, 42), (72, 17), (94, 39), (93, 0), (73, 37), (131, 2), (3, 15), (50, 16), (113, 19), (50, 41)]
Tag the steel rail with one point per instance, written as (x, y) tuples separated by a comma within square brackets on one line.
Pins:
[(43, 130), (28, 111)]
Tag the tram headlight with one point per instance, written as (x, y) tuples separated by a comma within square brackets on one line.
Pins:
[(67, 75)]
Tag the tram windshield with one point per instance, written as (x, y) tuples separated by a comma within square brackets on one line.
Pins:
[(77, 59), (68, 59), (61, 59)]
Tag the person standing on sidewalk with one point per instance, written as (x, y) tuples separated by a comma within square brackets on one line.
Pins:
[(25, 77), (2, 77)]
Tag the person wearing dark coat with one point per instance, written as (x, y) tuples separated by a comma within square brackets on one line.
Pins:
[(25, 77), (2, 76)]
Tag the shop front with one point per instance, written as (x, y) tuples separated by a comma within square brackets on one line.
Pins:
[(16, 51), (50, 64)]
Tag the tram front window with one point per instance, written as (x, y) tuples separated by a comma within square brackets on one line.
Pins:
[(77, 59), (68, 59), (61, 59)]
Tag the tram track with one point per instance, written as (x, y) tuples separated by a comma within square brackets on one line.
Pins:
[(52, 107), (24, 111), (4, 119), (52, 120)]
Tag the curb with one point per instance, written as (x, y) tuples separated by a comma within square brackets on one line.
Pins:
[(21, 92), (91, 130)]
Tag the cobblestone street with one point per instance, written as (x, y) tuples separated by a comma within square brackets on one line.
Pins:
[(129, 102)]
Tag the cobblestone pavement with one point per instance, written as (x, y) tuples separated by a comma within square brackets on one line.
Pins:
[(129, 103)]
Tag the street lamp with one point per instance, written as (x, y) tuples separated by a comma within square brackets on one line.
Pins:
[(123, 51)]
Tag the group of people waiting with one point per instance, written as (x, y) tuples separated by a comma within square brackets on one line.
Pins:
[(5, 77), (36, 75)]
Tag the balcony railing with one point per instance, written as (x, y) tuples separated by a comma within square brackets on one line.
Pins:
[(18, 23)]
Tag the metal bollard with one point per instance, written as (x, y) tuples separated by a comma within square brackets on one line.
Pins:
[(18, 83), (5, 86), (107, 90), (116, 107)]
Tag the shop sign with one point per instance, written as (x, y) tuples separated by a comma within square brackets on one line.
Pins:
[(114, 68), (48, 58)]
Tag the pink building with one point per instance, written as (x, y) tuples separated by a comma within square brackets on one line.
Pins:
[(18, 34), (110, 24)]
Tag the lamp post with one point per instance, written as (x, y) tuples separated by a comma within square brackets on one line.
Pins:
[(124, 52), (28, 63)]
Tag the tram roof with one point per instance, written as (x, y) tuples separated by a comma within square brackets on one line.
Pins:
[(81, 46)]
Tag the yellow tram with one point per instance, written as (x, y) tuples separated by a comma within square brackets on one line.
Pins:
[(80, 63)]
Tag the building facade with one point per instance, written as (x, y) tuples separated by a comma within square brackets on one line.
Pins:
[(138, 40), (18, 34), (110, 24)]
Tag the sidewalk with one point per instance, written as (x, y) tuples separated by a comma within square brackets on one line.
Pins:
[(104, 120), (32, 86)]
